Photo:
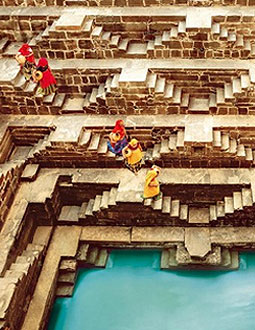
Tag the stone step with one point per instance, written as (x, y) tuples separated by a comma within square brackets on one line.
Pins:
[(101, 259), (68, 265), (59, 100), (199, 215), (175, 208), (236, 86), (102, 147), (180, 139), (169, 91), (239, 41), (123, 45), (112, 196), (215, 28), (73, 104), (233, 146), (97, 203), (156, 151), (157, 205), (148, 202), (245, 81), (182, 27), (213, 212), (228, 92), (173, 141), (85, 137), (184, 212), (158, 42), (114, 41), (220, 99), (166, 204), (198, 105), (216, 139), (69, 213), (177, 95), (137, 49), (82, 252), (67, 278), (247, 197), (241, 151), (232, 36), (106, 37), (185, 100), (174, 32), (89, 210), (4, 42), (212, 101), (225, 141), (237, 200), (248, 154), (229, 205), (82, 212), (48, 99), (20, 81), (93, 96), (104, 200), (247, 45), (92, 255), (164, 149), (220, 209), (94, 143), (223, 33), (151, 81), (160, 85), (64, 290), (97, 32)]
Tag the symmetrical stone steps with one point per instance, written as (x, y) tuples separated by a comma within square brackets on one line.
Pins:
[(218, 258), (104, 41)]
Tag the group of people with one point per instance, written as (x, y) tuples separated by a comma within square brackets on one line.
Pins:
[(118, 143), (133, 155), (38, 73)]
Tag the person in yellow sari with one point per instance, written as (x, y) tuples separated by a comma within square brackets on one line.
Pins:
[(133, 156), (152, 187)]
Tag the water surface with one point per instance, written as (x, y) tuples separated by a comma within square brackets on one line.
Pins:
[(132, 293)]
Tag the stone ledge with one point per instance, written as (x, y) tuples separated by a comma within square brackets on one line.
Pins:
[(157, 234), (105, 234)]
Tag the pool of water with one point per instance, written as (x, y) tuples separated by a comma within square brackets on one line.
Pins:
[(132, 293)]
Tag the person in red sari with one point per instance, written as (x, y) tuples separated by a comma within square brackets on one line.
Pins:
[(43, 75), (25, 58), (118, 138)]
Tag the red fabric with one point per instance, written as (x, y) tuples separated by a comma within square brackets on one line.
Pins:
[(48, 78), (26, 51), (119, 128)]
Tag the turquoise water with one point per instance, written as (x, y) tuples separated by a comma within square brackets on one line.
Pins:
[(132, 293)]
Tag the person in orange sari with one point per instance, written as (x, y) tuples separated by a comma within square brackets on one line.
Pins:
[(133, 156), (152, 187)]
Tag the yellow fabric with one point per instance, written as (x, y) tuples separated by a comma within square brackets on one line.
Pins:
[(135, 156), (151, 178)]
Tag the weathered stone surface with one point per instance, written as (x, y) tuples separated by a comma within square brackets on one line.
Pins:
[(197, 241), (64, 243), (199, 215), (105, 234), (157, 234), (30, 172), (234, 235)]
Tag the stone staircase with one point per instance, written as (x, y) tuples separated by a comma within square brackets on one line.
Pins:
[(86, 213), (18, 283), (88, 256), (218, 258)]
